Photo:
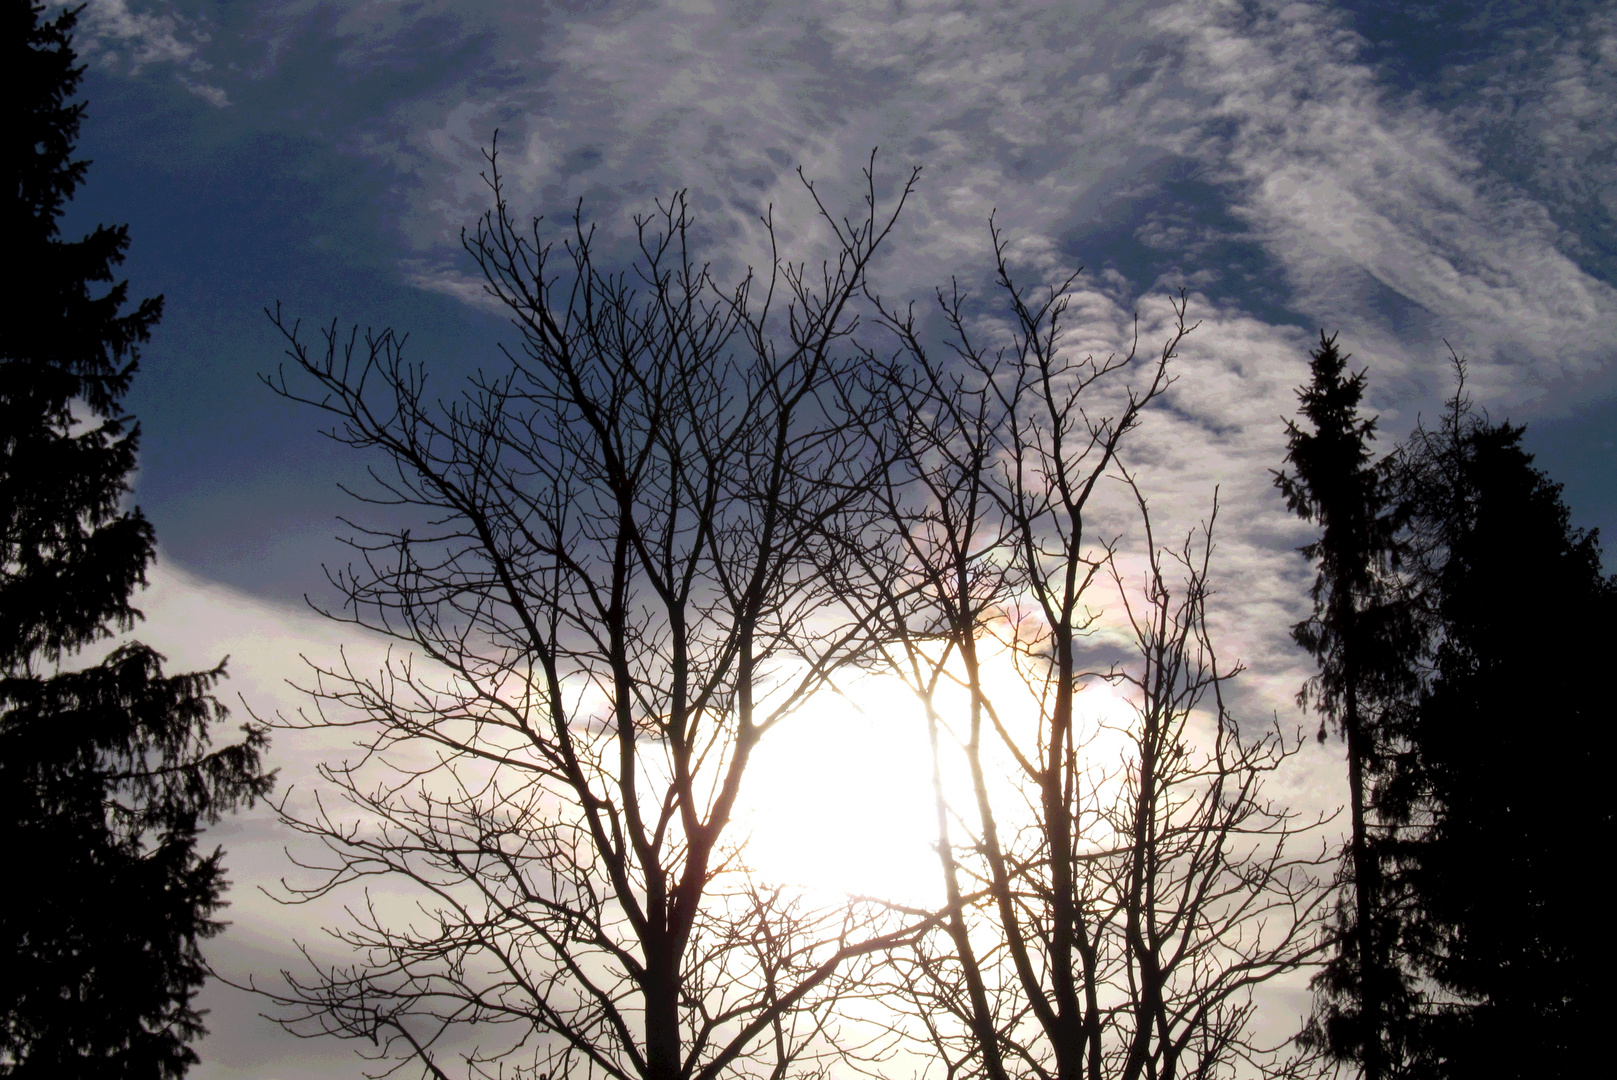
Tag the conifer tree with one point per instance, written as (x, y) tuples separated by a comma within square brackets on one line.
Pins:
[(1366, 643), (1504, 780), (106, 769)]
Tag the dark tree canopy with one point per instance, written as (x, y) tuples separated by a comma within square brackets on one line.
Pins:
[(1509, 752), (106, 771), (72, 555), (1461, 624), (1366, 643), (1358, 630)]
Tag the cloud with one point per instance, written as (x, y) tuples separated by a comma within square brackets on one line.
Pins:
[(1568, 111), (113, 34), (1379, 215), (1015, 108), (1382, 220), (195, 624)]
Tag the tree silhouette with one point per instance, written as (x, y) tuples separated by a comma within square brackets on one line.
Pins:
[(106, 773), (1115, 888), (673, 514), (607, 589), (1366, 639), (1503, 782)]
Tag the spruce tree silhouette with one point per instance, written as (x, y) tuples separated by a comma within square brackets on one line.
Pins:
[(1509, 755), (1366, 642), (106, 771)]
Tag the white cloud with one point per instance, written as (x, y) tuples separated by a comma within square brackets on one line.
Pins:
[(1363, 198), (195, 624), (1572, 116), (1015, 108), (145, 37), (1044, 111), (1381, 220), (1539, 104), (112, 33)]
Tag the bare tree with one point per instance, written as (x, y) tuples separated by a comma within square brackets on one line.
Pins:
[(609, 591), (1114, 888)]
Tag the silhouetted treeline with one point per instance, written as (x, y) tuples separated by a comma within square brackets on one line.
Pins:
[(1464, 628), (661, 523), (106, 774)]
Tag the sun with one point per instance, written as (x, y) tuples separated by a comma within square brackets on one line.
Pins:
[(839, 800)]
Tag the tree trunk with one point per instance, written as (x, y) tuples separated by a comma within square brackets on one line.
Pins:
[(662, 1020), (1363, 895)]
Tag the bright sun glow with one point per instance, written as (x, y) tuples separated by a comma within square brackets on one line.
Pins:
[(839, 797)]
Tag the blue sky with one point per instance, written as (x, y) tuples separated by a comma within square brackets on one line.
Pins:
[(1404, 173)]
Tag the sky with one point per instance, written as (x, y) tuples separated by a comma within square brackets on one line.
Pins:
[(1412, 176)]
